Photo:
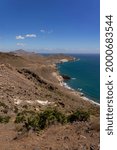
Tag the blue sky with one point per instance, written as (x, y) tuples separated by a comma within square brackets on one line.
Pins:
[(50, 25)]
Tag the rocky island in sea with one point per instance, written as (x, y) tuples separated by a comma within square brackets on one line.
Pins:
[(37, 111)]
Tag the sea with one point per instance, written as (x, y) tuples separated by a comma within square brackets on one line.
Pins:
[(84, 74)]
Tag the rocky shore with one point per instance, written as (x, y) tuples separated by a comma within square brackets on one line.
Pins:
[(29, 85)]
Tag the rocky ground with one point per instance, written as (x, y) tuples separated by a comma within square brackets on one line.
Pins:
[(32, 83)]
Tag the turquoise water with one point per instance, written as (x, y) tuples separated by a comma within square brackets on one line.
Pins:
[(85, 74)]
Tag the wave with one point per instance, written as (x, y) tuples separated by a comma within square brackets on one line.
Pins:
[(66, 86), (79, 89), (87, 99), (73, 78), (81, 94)]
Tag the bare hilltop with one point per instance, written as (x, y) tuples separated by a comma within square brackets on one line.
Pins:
[(37, 112)]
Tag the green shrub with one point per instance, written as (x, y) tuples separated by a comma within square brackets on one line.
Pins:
[(4, 119), (49, 117), (79, 115), (20, 118), (39, 121), (32, 122)]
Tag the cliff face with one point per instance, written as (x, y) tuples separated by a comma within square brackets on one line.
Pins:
[(30, 82)]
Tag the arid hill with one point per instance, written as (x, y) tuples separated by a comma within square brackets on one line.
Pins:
[(30, 84)]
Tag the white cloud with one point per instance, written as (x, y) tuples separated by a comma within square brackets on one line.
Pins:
[(30, 35), (46, 31), (20, 37), (21, 44)]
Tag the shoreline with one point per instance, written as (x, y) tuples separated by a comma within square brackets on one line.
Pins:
[(65, 85), (79, 94)]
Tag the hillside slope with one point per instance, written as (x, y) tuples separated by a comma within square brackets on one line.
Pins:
[(30, 82)]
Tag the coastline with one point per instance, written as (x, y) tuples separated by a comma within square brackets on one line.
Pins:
[(78, 93), (65, 85)]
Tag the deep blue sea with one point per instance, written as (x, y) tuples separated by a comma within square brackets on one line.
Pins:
[(85, 74)]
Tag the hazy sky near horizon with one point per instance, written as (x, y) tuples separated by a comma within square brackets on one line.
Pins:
[(50, 25)]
